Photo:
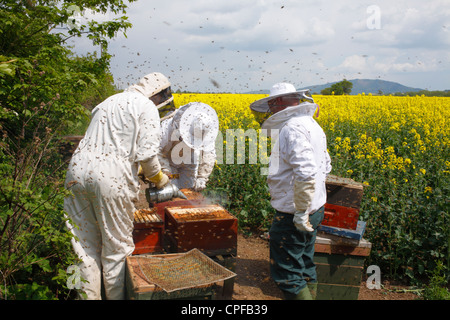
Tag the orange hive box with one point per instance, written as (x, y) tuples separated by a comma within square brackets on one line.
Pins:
[(340, 217), (148, 231), (344, 197), (209, 228)]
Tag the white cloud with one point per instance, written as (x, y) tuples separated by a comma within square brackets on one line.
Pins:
[(408, 25), (357, 66), (252, 27), (354, 63), (250, 44)]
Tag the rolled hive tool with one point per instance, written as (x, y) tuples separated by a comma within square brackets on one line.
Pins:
[(170, 191)]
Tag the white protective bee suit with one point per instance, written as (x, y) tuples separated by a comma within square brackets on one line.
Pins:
[(298, 167), (299, 164), (187, 148), (102, 175), (300, 154)]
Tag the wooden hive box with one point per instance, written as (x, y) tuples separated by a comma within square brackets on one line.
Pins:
[(139, 288), (339, 264), (148, 231), (343, 202), (344, 192), (209, 228), (356, 234), (340, 217), (148, 234), (193, 199)]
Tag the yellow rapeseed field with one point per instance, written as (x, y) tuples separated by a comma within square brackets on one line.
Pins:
[(387, 131)]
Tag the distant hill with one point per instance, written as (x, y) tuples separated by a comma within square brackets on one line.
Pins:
[(368, 86), (360, 86)]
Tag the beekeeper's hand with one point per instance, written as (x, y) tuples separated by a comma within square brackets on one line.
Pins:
[(159, 180), (150, 170), (204, 170), (303, 196), (301, 221), (199, 184)]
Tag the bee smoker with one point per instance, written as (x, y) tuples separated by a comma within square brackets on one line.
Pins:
[(169, 191)]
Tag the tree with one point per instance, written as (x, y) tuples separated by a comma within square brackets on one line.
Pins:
[(326, 91), (338, 88), (42, 87)]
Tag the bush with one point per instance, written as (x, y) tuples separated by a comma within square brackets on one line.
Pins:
[(34, 243), (43, 87), (437, 289)]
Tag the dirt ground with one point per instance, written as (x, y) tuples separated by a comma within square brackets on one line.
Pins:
[(253, 281)]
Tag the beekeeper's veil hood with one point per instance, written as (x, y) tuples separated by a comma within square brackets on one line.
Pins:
[(156, 87), (279, 90), (198, 125)]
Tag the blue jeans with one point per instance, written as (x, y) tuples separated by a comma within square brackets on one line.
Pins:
[(292, 252)]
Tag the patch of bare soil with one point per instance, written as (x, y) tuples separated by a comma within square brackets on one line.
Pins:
[(253, 281)]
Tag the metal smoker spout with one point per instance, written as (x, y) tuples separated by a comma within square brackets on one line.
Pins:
[(170, 191)]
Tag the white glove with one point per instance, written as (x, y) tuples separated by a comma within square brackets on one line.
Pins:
[(199, 184), (303, 196), (301, 221)]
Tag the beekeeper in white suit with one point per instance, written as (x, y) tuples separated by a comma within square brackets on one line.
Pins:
[(102, 175), (298, 167), (187, 149)]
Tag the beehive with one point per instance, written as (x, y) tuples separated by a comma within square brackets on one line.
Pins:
[(344, 192), (148, 231), (343, 202), (339, 265), (209, 228), (340, 217)]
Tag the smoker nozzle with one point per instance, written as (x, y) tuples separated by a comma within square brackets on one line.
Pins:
[(169, 191)]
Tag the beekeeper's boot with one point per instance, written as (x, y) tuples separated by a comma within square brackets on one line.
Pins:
[(313, 290), (304, 294)]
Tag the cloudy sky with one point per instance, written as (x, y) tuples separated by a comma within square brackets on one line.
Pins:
[(246, 45)]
